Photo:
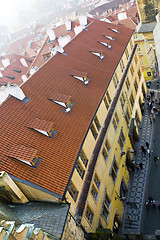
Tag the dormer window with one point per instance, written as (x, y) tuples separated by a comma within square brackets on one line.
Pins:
[(62, 100), (82, 76), (114, 30), (105, 44), (98, 53), (24, 154), (16, 70), (43, 126), (109, 37)]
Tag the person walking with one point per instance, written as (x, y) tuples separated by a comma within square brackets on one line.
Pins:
[(156, 159), (147, 145), (129, 219), (141, 165), (143, 150)]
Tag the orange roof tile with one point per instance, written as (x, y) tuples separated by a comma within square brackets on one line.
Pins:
[(59, 154)]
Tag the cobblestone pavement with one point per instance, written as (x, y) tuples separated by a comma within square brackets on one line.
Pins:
[(138, 191)]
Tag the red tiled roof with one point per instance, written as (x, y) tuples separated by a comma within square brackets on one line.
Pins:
[(60, 153), (129, 23), (21, 152), (40, 124)]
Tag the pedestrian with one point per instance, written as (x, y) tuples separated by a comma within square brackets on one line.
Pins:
[(150, 200), (147, 204), (156, 159), (147, 145), (154, 203), (153, 117), (137, 167), (129, 219), (141, 165), (148, 151), (143, 150), (159, 206), (157, 84)]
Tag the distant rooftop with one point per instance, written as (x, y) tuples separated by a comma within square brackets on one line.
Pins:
[(147, 27)]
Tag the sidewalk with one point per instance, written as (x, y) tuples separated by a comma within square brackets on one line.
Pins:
[(138, 179)]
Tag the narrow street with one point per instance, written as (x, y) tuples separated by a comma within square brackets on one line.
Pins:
[(150, 219)]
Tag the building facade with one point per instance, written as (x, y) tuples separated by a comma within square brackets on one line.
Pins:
[(69, 133)]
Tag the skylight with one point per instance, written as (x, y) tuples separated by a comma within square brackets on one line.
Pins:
[(105, 44), (24, 154), (114, 30), (109, 37), (43, 126), (98, 53), (62, 100), (82, 76)]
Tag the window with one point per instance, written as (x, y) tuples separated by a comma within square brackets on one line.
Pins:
[(149, 74), (89, 214), (106, 103), (132, 70), (94, 131), (132, 100), (121, 65), (52, 132), (35, 159), (115, 121), (126, 53), (95, 187), (94, 192), (139, 49), (122, 100), (131, 44), (135, 85), (135, 59), (121, 139), (115, 80), (96, 121), (106, 205), (127, 117), (108, 97), (114, 170), (97, 181), (80, 170), (105, 153), (127, 83), (83, 158), (139, 74), (73, 191)]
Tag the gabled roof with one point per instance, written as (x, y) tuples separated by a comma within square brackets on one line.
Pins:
[(59, 155), (129, 23)]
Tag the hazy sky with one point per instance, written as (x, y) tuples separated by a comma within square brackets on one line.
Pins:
[(10, 9)]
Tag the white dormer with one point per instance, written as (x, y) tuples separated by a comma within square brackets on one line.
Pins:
[(1, 75), (68, 24), (6, 62), (13, 90), (122, 16), (63, 41), (23, 62), (78, 29), (24, 78), (83, 20), (51, 34)]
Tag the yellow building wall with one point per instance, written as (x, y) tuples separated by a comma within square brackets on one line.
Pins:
[(103, 167), (144, 57)]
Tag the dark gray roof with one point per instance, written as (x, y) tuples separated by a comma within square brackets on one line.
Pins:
[(50, 217), (146, 27), (112, 4)]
